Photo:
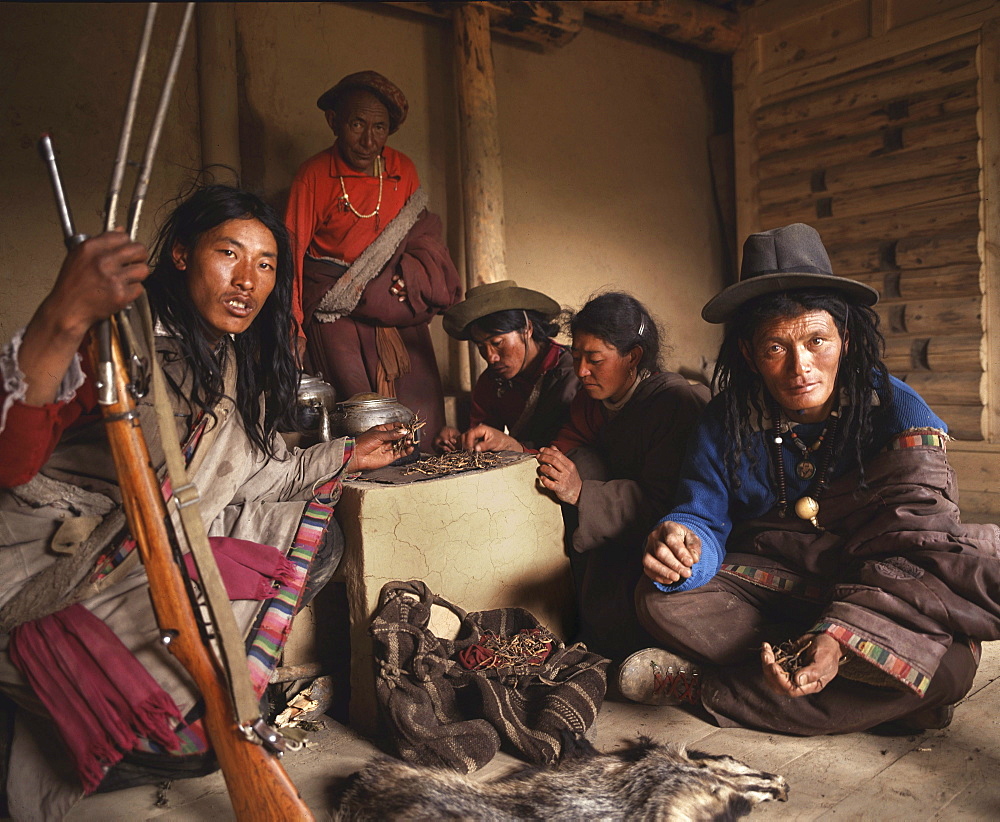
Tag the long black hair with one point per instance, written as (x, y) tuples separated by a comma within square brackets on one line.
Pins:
[(862, 371), (515, 319), (265, 363), (622, 322)]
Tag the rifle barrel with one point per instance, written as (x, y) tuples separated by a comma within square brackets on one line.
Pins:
[(142, 182), (102, 361), (48, 154), (121, 158)]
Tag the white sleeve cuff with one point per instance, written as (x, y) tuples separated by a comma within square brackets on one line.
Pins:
[(15, 384)]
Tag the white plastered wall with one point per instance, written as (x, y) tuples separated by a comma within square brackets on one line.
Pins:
[(604, 143)]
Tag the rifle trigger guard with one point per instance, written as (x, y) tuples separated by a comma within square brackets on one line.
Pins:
[(265, 735)]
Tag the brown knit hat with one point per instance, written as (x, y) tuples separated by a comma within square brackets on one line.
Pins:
[(387, 92)]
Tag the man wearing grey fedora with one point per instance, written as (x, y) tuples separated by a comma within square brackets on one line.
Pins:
[(813, 576)]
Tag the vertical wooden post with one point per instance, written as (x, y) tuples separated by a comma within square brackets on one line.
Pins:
[(482, 178), (482, 173), (989, 181), (218, 92)]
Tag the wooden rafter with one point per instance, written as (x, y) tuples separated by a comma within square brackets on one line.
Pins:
[(538, 21), (551, 23), (683, 21)]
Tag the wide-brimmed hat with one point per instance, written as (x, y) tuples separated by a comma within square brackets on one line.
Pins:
[(783, 259), (482, 300), (387, 92)]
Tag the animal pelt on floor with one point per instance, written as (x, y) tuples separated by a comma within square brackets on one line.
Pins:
[(643, 781)]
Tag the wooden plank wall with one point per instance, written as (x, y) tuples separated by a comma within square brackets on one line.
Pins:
[(865, 119)]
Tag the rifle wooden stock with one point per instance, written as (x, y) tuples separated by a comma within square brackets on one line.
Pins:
[(259, 788)]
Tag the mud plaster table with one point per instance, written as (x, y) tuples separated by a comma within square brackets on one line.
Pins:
[(483, 539)]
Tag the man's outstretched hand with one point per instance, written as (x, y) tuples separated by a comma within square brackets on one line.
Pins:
[(822, 656)]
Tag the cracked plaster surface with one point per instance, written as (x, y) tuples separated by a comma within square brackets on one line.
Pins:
[(486, 539)]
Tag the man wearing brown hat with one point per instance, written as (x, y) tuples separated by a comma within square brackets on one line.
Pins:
[(372, 269), (814, 575)]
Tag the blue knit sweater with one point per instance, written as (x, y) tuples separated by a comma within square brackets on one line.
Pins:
[(707, 504)]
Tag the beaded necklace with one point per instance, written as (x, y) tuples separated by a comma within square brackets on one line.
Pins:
[(347, 200), (806, 468), (807, 506)]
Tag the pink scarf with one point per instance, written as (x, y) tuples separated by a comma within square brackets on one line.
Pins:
[(249, 570), (99, 695)]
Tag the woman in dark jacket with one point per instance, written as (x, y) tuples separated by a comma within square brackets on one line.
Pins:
[(615, 464)]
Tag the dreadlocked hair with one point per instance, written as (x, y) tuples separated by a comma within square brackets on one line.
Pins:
[(862, 371), (265, 363)]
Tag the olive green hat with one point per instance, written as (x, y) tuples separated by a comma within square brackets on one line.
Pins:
[(483, 300)]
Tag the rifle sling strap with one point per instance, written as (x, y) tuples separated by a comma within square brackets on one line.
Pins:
[(186, 497)]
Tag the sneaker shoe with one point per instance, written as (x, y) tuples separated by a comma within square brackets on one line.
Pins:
[(658, 677)]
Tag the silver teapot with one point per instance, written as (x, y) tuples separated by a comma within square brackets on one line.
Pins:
[(357, 414), (313, 403)]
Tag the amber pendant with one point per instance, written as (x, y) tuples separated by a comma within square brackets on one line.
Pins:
[(805, 469), (807, 508)]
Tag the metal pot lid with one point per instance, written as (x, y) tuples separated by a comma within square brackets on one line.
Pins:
[(368, 399), (315, 387)]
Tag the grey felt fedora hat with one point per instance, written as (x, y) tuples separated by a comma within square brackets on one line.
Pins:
[(783, 259), (482, 300)]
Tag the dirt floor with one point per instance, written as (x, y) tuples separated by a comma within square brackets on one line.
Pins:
[(946, 774)]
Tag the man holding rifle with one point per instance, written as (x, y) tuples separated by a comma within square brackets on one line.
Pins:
[(80, 648)]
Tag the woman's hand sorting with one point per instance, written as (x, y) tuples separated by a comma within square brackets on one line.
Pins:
[(671, 552), (447, 440), (557, 473), (822, 653), (375, 448), (487, 438)]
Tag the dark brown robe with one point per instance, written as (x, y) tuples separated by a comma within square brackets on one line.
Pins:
[(344, 351), (896, 577), (629, 473)]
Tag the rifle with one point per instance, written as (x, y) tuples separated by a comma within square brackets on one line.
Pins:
[(258, 786)]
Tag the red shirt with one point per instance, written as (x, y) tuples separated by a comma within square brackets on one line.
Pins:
[(498, 402), (32, 432), (320, 222), (587, 417)]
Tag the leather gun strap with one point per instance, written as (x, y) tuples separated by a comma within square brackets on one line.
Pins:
[(186, 502)]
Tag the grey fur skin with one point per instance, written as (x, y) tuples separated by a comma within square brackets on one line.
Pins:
[(644, 781)]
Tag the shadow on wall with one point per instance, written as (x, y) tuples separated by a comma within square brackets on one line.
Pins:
[(549, 594)]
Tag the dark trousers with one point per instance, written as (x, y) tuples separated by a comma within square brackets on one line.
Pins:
[(344, 353), (722, 625)]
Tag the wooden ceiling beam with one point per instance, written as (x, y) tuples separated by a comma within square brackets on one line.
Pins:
[(683, 21), (547, 23)]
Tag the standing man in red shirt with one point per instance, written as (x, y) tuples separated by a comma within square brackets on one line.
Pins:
[(372, 268)]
